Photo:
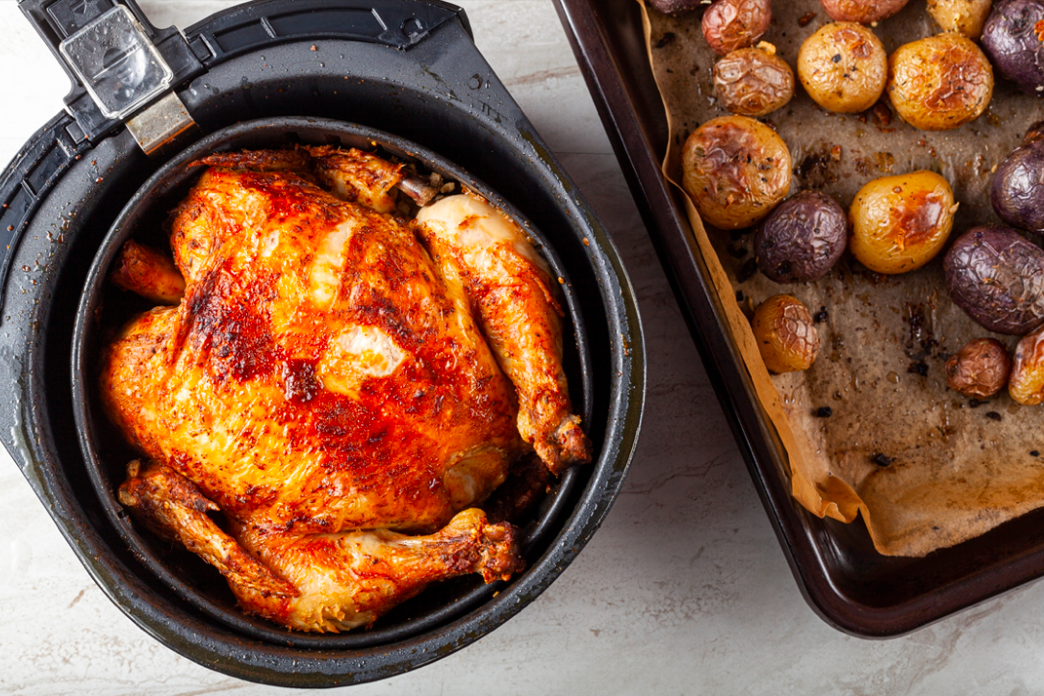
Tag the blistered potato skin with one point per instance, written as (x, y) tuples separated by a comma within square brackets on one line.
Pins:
[(731, 24), (997, 278), (1011, 41), (966, 17), (736, 170), (786, 336), (862, 11), (802, 238), (753, 82), (980, 368), (1026, 385), (843, 67), (939, 82), (900, 223), (1017, 189)]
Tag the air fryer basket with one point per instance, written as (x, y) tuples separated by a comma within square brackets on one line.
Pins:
[(106, 452), (405, 67)]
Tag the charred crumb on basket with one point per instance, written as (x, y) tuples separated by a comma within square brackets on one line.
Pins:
[(824, 412), (976, 403), (821, 316), (993, 415), (1034, 453)]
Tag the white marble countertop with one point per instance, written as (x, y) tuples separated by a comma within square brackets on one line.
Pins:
[(683, 590)]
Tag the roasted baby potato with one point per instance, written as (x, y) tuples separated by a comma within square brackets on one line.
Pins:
[(1012, 41), (731, 24), (997, 277), (753, 81), (843, 67), (786, 337), (1027, 371), (736, 169), (862, 11), (939, 82), (966, 17), (802, 238), (980, 368), (899, 223), (1017, 190)]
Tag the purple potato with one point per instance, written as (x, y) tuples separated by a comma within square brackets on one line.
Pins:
[(997, 277), (1017, 191), (802, 238), (1010, 39)]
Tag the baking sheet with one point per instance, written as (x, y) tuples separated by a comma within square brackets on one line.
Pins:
[(955, 467)]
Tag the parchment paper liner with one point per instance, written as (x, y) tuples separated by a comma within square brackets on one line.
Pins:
[(957, 468)]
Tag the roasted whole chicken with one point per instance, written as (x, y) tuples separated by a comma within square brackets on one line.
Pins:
[(343, 381)]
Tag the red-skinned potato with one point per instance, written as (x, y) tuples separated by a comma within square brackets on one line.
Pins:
[(981, 368), (862, 11), (736, 170), (731, 24), (753, 81)]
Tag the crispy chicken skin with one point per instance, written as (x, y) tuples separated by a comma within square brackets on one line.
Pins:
[(326, 383)]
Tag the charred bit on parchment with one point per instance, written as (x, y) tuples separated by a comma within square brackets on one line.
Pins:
[(882, 460)]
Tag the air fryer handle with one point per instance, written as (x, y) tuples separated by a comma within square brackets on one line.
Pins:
[(57, 20)]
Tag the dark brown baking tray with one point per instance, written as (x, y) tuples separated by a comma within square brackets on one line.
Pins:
[(842, 577)]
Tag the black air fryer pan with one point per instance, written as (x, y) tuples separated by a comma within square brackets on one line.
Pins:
[(400, 75)]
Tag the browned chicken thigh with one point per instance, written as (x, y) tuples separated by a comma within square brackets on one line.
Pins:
[(325, 381)]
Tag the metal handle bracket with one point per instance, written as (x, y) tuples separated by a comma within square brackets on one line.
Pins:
[(117, 61)]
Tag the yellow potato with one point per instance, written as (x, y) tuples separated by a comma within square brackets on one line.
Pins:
[(966, 17), (843, 67), (786, 336), (900, 223), (736, 170), (940, 82)]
